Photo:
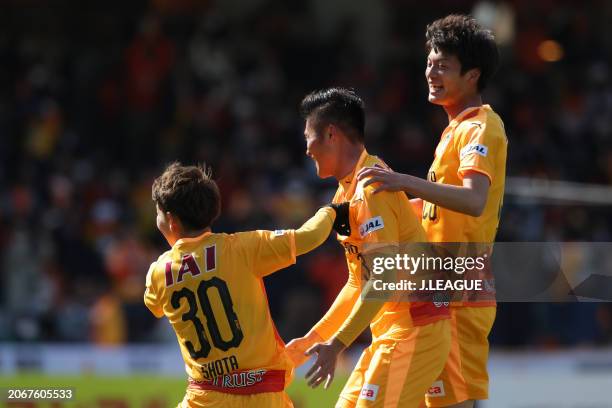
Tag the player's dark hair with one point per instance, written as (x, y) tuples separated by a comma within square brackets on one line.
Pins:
[(463, 37), (340, 107), (189, 193)]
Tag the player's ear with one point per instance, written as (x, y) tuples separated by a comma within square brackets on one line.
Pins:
[(473, 75), (173, 222), (331, 132)]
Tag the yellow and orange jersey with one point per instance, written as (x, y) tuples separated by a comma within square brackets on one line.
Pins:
[(474, 141), (211, 290), (385, 218)]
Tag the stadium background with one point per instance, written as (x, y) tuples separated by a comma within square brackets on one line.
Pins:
[(96, 98)]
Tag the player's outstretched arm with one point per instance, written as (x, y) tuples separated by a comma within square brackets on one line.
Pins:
[(316, 230), (470, 198), (340, 326), (269, 251), (328, 352), (362, 313)]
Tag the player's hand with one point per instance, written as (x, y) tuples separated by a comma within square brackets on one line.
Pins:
[(341, 224), (324, 367), (296, 348), (387, 179)]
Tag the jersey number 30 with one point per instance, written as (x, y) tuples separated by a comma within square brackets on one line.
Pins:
[(211, 322)]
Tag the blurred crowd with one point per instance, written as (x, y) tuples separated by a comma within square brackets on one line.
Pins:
[(96, 99)]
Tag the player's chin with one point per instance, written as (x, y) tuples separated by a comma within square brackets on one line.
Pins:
[(322, 175), (435, 99)]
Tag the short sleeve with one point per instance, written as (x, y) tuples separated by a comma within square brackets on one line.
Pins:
[(478, 148), (151, 297), (375, 216), (268, 251)]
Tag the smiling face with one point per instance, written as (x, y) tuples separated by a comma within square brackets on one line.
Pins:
[(447, 86), (321, 149)]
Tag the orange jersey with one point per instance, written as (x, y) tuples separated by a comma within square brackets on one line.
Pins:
[(474, 141), (386, 218), (211, 290)]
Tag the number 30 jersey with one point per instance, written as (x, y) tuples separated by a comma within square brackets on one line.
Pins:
[(211, 290)]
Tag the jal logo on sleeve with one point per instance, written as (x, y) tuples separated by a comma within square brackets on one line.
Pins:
[(371, 225), (474, 149)]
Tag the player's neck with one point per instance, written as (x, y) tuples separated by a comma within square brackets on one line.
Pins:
[(469, 102), (348, 160)]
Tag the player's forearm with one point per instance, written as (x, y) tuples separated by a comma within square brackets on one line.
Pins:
[(337, 313), (313, 337), (360, 318), (456, 198), (372, 300), (314, 231)]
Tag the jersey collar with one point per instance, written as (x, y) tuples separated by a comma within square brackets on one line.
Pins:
[(466, 112), (349, 183), (185, 241)]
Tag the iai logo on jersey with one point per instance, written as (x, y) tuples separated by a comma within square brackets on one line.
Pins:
[(369, 392), (373, 224), (474, 148), (436, 389), (278, 233)]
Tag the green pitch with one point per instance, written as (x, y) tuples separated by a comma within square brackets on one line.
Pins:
[(142, 391)]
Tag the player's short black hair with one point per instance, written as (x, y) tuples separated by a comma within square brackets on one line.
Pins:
[(337, 106), (462, 36), (189, 193)]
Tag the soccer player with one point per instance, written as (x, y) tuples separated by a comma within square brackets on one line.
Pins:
[(461, 200), (210, 288), (410, 341)]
